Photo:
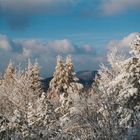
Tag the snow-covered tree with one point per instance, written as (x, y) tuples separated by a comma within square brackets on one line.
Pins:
[(136, 47), (24, 87), (115, 59), (9, 73), (1, 78), (6, 87), (58, 76), (103, 78), (72, 105), (120, 93), (33, 75), (64, 78), (70, 75), (27, 109), (71, 84), (129, 94), (106, 74), (56, 84)]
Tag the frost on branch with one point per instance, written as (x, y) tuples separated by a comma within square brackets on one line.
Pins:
[(129, 94), (136, 46), (120, 94)]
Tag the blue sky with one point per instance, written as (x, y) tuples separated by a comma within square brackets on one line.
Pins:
[(84, 26)]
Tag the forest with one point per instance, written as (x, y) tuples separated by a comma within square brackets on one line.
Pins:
[(108, 110)]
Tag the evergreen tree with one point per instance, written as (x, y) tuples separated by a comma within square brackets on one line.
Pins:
[(129, 94), (33, 75), (115, 59), (57, 82), (121, 92), (9, 73), (71, 100), (106, 74)]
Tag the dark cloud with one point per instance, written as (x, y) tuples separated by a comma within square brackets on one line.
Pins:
[(18, 12)]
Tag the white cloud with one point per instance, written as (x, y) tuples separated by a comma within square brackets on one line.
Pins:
[(84, 57), (62, 46), (111, 7), (35, 47), (123, 44), (5, 44)]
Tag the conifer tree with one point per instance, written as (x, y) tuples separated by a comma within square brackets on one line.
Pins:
[(129, 94), (9, 74), (6, 88), (106, 74), (33, 75), (71, 85), (121, 92), (56, 83), (71, 99)]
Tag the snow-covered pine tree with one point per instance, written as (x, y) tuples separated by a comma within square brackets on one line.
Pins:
[(121, 95), (70, 75), (27, 109), (9, 73), (115, 58), (1, 79), (63, 76), (129, 94), (6, 87), (106, 74), (71, 87), (57, 83), (136, 47), (33, 75), (24, 88), (105, 86), (43, 119), (72, 104), (103, 78), (108, 84)]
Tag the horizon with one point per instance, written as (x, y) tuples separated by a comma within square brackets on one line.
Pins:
[(86, 30)]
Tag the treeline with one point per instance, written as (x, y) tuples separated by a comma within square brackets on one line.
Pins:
[(109, 110)]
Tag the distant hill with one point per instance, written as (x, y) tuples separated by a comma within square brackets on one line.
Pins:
[(85, 77)]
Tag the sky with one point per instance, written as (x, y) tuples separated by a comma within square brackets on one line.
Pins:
[(84, 29)]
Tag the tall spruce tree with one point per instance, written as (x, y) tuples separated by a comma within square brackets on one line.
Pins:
[(56, 84), (9, 73), (71, 99)]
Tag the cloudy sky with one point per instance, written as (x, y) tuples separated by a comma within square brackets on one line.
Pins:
[(85, 29)]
